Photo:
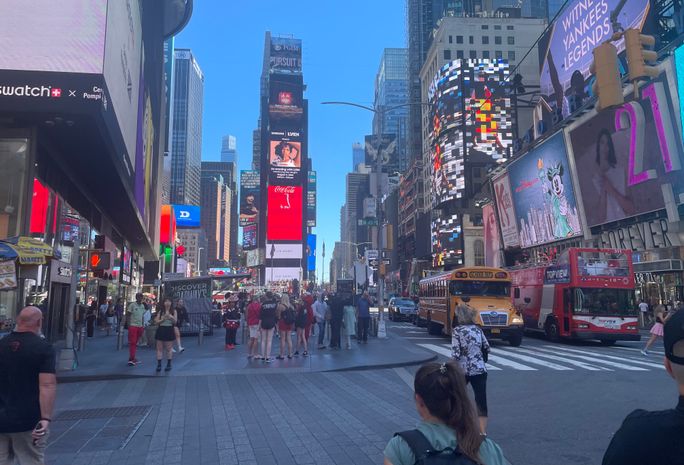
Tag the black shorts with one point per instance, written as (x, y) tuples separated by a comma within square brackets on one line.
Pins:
[(479, 384), (165, 333)]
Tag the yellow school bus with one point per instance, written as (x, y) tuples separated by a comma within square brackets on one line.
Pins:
[(489, 291)]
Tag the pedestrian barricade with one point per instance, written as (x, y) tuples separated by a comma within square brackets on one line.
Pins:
[(198, 322), (373, 329)]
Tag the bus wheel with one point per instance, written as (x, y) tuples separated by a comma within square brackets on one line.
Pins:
[(552, 333), (434, 329), (608, 342), (516, 339)]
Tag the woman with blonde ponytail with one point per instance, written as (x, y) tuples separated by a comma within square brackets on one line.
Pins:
[(449, 431)]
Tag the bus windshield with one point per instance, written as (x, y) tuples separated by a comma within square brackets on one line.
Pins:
[(589, 301), (480, 288)]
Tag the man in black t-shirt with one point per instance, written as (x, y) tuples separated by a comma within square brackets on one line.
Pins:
[(28, 388)]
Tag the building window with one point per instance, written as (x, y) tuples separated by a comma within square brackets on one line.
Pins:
[(498, 54), (485, 27), (485, 40), (478, 252), (473, 54), (497, 28), (459, 54), (451, 39), (471, 40), (510, 28), (511, 40), (511, 55), (485, 54), (447, 54), (459, 39), (497, 40)]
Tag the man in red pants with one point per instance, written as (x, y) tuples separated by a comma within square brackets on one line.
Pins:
[(135, 327)]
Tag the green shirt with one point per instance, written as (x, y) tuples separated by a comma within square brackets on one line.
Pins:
[(440, 436), (135, 312)]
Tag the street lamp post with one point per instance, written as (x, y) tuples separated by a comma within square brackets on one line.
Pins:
[(199, 260)]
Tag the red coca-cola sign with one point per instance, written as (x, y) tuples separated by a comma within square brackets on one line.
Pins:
[(285, 214)]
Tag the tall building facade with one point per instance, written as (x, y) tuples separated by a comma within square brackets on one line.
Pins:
[(391, 90), (186, 137), (229, 149), (256, 148), (226, 171), (216, 199), (358, 155)]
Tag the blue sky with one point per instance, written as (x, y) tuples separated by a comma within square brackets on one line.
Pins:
[(342, 45)]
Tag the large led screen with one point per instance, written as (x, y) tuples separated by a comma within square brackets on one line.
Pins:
[(250, 197), (488, 121), (543, 195), (285, 158), (630, 157), (492, 240), (249, 237), (447, 241), (187, 216), (566, 51), (446, 100), (311, 252), (286, 102), (284, 215), (285, 55), (311, 200), (448, 181), (504, 205)]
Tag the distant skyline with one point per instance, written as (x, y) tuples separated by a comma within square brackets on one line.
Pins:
[(227, 39)]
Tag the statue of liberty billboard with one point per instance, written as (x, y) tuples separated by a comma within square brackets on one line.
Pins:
[(554, 192)]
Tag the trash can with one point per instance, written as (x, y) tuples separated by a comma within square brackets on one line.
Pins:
[(373, 330)]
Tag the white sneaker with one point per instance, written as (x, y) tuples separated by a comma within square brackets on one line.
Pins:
[(174, 350), (644, 352)]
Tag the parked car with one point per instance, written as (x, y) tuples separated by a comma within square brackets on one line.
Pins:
[(401, 309)]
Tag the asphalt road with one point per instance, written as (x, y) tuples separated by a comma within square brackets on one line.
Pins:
[(560, 403)]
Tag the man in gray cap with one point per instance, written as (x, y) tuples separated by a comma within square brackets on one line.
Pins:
[(651, 437)]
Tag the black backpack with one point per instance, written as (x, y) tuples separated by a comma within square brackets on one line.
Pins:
[(428, 455), (288, 315)]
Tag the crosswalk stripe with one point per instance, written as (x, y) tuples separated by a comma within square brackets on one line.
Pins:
[(632, 349), (555, 350), (576, 363), (447, 353), (510, 363), (527, 359), (611, 357)]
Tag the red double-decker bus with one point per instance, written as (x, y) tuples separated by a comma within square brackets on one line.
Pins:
[(584, 294)]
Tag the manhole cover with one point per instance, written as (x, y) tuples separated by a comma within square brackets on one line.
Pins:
[(96, 429)]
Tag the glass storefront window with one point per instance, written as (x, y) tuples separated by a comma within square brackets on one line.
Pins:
[(13, 167)]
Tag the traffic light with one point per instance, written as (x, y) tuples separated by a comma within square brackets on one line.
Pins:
[(637, 56), (608, 85), (99, 261)]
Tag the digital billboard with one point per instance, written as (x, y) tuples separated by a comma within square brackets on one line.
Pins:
[(311, 200), (285, 55), (249, 237), (286, 102), (282, 274), (631, 156), (487, 113), (285, 157), (187, 216), (284, 251), (507, 218), (543, 196), (447, 241), (250, 197), (566, 50), (448, 181), (284, 215), (446, 100), (492, 240), (311, 252)]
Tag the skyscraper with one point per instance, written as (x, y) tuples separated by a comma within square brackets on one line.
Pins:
[(391, 90), (358, 155), (186, 140), (227, 171), (215, 216), (229, 150)]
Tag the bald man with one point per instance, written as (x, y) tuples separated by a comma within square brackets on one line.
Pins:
[(28, 387)]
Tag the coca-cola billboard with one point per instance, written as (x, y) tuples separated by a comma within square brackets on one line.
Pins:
[(284, 214)]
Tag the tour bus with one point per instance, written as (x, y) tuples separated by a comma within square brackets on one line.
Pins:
[(584, 294), (488, 290)]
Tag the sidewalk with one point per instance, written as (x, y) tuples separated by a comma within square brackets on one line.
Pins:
[(101, 361)]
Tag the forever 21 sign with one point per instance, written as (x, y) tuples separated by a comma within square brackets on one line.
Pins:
[(654, 234)]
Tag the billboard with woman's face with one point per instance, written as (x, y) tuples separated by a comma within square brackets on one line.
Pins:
[(628, 156)]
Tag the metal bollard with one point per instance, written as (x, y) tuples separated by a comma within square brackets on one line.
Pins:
[(82, 338), (200, 334), (119, 338)]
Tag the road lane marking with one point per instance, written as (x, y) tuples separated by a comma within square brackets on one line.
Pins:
[(525, 358), (405, 376), (632, 349), (555, 350), (510, 363), (447, 353), (611, 357), (585, 366)]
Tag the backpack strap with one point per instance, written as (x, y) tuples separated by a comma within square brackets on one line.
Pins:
[(418, 443)]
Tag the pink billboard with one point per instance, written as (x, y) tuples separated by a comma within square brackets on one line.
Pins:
[(492, 240), (504, 205)]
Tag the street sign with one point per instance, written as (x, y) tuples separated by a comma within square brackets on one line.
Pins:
[(373, 263), (368, 222), (371, 254), (386, 261), (386, 253)]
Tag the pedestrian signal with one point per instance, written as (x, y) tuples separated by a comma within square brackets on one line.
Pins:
[(99, 261), (608, 85), (638, 56)]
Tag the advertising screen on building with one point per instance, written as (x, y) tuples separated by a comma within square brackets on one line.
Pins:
[(284, 251), (187, 216), (492, 240), (507, 218), (630, 157), (446, 101), (488, 113), (286, 102), (566, 50), (311, 252), (311, 200), (286, 55), (250, 197), (447, 241), (543, 195), (282, 275), (284, 215), (285, 157), (249, 237), (448, 181)]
